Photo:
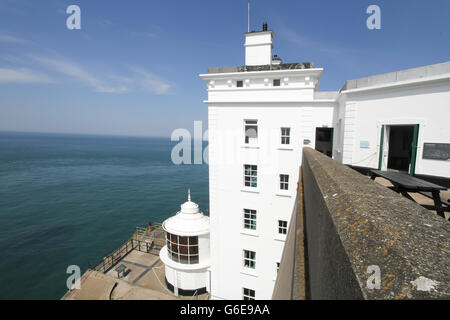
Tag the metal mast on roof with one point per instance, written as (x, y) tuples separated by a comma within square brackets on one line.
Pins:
[(248, 16)]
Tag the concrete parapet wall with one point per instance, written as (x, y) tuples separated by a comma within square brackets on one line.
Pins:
[(353, 223), (434, 70)]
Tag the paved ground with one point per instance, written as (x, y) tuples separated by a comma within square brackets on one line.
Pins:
[(143, 279), (420, 199), (98, 286), (143, 269)]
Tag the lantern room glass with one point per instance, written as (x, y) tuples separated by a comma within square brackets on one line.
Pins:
[(182, 249)]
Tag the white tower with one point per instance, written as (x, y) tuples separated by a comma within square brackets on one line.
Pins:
[(260, 116), (258, 47), (186, 253)]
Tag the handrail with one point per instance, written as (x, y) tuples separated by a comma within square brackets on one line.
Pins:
[(114, 256), (111, 259)]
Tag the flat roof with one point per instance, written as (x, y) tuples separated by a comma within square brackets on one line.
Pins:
[(267, 67), (434, 70)]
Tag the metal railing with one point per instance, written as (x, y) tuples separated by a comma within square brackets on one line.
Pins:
[(143, 240), (111, 259)]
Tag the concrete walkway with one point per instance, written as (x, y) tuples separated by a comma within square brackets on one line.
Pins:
[(98, 286), (143, 279)]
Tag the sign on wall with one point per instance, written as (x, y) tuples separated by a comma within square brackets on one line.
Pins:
[(436, 151), (364, 144)]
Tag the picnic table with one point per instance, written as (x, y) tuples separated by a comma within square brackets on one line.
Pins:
[(404, 183)]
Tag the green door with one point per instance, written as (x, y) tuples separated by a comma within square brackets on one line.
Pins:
[(380, 161), (414, 144)]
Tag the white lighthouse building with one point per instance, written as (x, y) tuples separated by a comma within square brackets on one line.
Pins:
[(186, 254), (261, 115)]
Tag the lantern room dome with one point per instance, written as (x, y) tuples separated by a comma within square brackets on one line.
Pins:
[(189, 221)]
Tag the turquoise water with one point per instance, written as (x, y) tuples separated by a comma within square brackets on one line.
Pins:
[(70, 199)]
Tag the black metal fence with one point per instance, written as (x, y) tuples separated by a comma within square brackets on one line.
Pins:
[(111, 259), (153, 241)]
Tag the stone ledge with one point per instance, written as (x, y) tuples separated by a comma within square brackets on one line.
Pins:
[(353, 223)]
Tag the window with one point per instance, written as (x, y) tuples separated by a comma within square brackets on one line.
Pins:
[(278, 267), (284, 181), (276, 82), (248, 294), (239, 83), (285, 135), (250, 176), (251, 131), (249, 259), (182, 249), (250, 219), (282, 227)]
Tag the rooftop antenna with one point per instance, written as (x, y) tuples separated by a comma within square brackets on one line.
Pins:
[(248, 16)]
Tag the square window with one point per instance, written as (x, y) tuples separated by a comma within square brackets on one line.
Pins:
[(248, 294), (249, 219), (285, 135), (184, 259), (193, 259), (183, 240), (276, 82), (284, 182), (239, 83), (282, 227), (249, 259), (250, 176), (193, 241), (251, 131)]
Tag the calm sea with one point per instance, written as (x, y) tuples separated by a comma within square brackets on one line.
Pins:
[(71, 199)]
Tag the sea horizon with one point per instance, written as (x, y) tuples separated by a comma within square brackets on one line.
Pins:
[(69, 199), (81, 134)]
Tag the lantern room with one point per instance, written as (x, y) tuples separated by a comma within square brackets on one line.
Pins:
[(186, 255)]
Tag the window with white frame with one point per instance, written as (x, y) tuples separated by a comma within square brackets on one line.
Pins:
[(276, 82), (284, 182), (251, 131), (282, 227), (248, 294), (239, 83), (249, 259), (278, 267), (285, 135), (250, 219), (250, 176)]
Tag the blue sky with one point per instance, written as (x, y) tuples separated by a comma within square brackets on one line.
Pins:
[(133, 67)]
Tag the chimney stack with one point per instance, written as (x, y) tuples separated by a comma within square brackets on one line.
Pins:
[(258, 47)]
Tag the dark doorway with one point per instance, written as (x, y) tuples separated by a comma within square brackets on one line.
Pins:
[(400, 147), (324, 140)]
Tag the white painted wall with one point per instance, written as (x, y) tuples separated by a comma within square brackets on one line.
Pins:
[(187, 279), (364, 112), (258, 48), (296, 85), (228, 196), (355, 115)]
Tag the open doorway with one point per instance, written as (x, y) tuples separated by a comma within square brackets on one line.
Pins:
[(400, 147), (324, 140)]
